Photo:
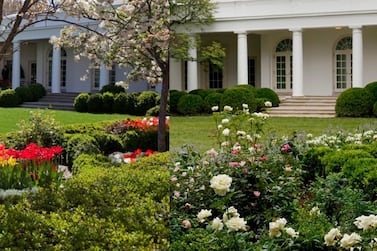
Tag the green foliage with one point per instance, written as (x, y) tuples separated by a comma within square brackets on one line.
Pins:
[(122, 103), (372, 89), (212, 99), (40, 128), (174, 97), (108, 101), (37, 90), (24, 94), (153, 111), (145, 101), (269, 95), (190, 104), (354, 102), (81, 102), (362, 173), (9, 98), (87, 162), (334, 161), (114, 89), (95, 103), (202, 92), (133, 140), (79, 144), (260, 104), (313, 164), (108, 143), (237, 96)]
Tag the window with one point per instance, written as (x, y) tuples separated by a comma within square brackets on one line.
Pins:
[(215, 76), (283, 65), (343, 64), (112, 75), (63, 68), (251, 71)]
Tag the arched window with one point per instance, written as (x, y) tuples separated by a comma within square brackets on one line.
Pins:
[(343, 64), (283, 65), (63, 67)]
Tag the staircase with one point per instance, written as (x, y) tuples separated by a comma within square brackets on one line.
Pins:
[(54, 101), (306, 106)]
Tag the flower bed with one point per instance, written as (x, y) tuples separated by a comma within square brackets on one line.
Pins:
[(282, 194)]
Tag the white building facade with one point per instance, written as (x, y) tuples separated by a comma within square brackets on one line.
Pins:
[(295, 47)]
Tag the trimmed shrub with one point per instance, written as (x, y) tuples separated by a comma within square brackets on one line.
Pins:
[(24, 94), (154, 111), (8, 98), (38, 91), (354, 102), (211, 100), (121, 103), (79, 144), (236, 96), (202, 92), (81, 102), (108, 101), (174, 97), (114, 89), (133, 140), (95, 103), (246, 87), (132, 99), (260, 104), (334, 161), (190, 104), (108, 143), (147, 100), (269, 95), (372, 89)]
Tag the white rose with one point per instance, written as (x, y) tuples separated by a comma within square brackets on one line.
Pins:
[(331, 236), (230, 213), (291, 232), (366, 222), (215, 108), (267, 104), (245, 106), (348, 241), (224, 121), (235, 224), (274, 229), (226, 132), (221, 184), (203, 214), (217, 224), (228, 108)]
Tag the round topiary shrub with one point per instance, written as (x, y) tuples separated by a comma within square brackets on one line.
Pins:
[(120, 104), (147, 100), (354, 102), (95, 103), (190, 104), (174, 97), (211, 100), (202, 92), (8, 98), (237, 96), (79, 144), (154, 111), (249, 88), (114, 89), (81, 102), (269, 95), (38, 91), (24, 94), (372, 89), (108, 101)]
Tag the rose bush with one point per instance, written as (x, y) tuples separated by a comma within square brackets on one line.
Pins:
[(246, 194)]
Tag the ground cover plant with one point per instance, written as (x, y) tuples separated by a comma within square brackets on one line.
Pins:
[(254, 192)]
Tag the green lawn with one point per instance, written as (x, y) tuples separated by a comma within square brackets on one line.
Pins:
[(9, 117), (200, 130)]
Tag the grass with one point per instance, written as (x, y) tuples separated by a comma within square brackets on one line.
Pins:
[(10, 117), (199, 131)]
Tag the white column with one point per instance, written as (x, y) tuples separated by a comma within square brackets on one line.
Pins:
[(16, 65), (56, 64), (242, 56), (192, 68), (357, 57), (297, 63), (103, 76)]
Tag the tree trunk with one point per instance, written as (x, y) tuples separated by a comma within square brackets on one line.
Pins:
[(163, 140)]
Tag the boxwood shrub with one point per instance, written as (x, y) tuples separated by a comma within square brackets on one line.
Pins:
[(354, 102), (372, 89), (202, 92), (145, 101), (79, 144), (190, 104), (95, 103), (174, 97), (122, 103), (24, 94), (81, 102), (37, 90), (268, 94), (236, 96), (114, 89), (8, 98), (108, 101), (211, 100)]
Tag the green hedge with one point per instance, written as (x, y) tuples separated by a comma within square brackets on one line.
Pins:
[(354, 102)]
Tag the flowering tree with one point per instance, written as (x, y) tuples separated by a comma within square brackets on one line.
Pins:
[(17, 15), (136, 34)]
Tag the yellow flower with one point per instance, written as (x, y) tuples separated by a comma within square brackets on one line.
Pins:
[(12, 161)]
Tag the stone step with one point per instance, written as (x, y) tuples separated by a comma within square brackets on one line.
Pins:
[(54, 101), (310, 106)]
